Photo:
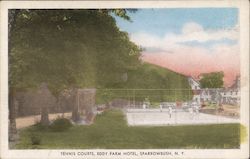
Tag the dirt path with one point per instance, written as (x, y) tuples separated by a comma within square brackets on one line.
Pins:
[(23, 122)]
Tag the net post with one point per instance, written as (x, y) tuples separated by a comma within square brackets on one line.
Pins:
[(134, 97)]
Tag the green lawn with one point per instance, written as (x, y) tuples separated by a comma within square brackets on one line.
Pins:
[(110, 131)]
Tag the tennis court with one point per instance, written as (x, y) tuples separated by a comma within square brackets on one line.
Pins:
[(159, 117)]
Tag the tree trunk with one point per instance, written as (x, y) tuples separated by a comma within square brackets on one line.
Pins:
[(45, 116), (21, 109), (12, 114), (75, 112), (45, 103), (60, 105)]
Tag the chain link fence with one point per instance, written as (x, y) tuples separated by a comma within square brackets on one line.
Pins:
[(169, 105)]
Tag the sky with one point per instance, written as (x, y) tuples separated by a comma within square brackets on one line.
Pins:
[(189, 41)]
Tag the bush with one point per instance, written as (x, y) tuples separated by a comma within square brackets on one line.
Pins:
[(60, 124), (39, 126), (35, 139)]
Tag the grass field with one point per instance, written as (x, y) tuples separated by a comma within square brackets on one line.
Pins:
[(110, 131)]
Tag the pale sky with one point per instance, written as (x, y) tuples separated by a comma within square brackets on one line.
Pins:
[(188, 41)]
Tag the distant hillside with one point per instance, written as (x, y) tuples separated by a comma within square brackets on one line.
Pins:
[(150, 76), (156, 83)]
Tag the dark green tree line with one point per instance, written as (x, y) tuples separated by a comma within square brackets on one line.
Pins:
[(212, 80)]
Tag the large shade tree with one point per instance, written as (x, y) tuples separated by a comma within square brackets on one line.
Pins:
[(212, 80), (66, 49)]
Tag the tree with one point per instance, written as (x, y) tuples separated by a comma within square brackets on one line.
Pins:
[(212, 80), (45, 100), (67, 49)]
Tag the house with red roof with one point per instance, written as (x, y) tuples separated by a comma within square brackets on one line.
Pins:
[(231, 95)]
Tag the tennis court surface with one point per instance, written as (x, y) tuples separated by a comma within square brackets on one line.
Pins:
[(159, 117)]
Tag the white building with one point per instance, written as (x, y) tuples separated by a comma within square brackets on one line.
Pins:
[(195, 86), (199, 95), (205, 95), (231, 95)]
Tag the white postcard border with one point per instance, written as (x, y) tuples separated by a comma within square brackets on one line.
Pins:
[(243, 6)]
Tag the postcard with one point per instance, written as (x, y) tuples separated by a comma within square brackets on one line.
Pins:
[(124, 79)]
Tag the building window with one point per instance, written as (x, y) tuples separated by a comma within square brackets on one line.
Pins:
[(231, 92)]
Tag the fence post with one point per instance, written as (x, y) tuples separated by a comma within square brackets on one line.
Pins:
[(78, 101), (175, 114), (134, 97), (129, 98), (188, 94)]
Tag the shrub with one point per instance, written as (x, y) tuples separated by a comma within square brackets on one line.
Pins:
[(35, 139), (60, 124), (39, 126)]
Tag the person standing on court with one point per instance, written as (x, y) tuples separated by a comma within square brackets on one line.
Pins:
[(161, 107), (170, 111), (191, 112), (196, 109)]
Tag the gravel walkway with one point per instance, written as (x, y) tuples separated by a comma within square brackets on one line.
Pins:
[(23, 122)]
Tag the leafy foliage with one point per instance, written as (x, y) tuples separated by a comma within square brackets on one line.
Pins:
[(212, 80), (65, 48), (119, 12), (40, 127), (35, 139), (60, 124)]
